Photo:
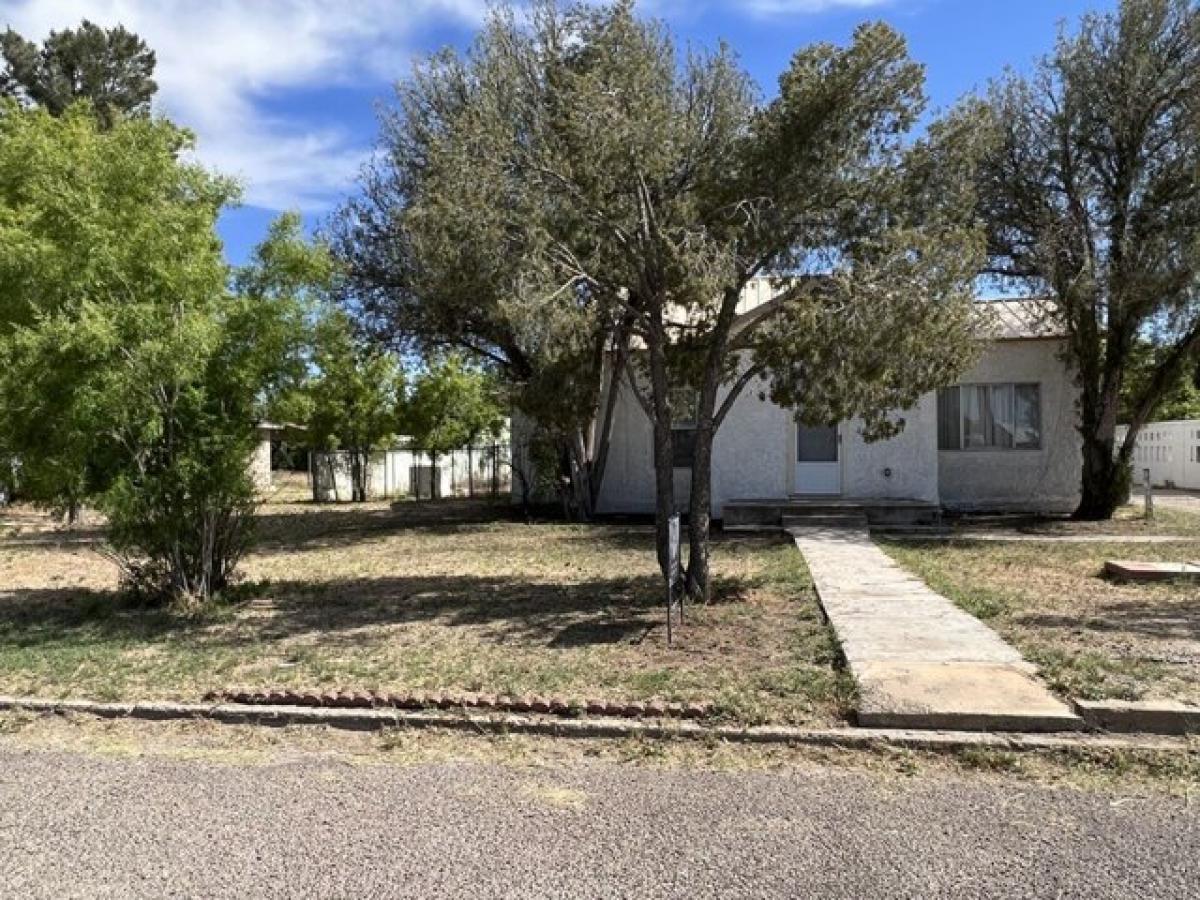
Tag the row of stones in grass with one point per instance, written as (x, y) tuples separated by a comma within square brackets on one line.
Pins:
[(559, 706)]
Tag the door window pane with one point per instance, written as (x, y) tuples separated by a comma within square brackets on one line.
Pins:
[(816, 443)]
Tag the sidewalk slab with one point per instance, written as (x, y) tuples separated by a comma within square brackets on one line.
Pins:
[(919, 660)]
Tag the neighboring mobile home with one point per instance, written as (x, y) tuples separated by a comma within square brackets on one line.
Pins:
[(1170, 451)]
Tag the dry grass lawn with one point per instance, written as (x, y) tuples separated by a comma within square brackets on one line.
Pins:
[(1130, 520), (446, 596), (1093, 637)]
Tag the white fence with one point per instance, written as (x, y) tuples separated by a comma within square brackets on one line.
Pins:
[(1170, 450), (480, 471)]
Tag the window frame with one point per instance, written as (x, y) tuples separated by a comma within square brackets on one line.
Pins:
[(962, 408)]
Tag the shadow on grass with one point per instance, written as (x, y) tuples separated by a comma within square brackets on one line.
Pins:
[(1164, 619), (328, 526), (500, 610), (307, 525), (66, 538)]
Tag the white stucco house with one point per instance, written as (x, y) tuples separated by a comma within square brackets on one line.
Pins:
[(1004, 438)]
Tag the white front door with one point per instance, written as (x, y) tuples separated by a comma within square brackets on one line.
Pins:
[(818, 459)]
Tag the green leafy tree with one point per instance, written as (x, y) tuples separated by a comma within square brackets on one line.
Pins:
[(130, 377), (451, 405), (353, 399), (1091, 197), (598, 175), (1179, 401), (286, 280), (111, 68), (84, 215)]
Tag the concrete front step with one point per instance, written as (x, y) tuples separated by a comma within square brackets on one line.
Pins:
[(825, 520), (760, 515)]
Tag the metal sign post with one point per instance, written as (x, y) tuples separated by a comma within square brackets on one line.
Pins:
[(1149, 494), (674, 571)]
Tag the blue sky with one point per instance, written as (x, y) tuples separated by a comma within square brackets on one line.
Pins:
[(282, 93)]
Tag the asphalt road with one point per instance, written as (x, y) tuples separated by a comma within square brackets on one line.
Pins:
[(99, 827)]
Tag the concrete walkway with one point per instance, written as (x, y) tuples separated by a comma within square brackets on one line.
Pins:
[(919, 660)]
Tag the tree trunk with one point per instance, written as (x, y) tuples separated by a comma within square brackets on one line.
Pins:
[(359, 465), (664, 455), (612, 369), (1106, 480), (700, 516), (708, 420)]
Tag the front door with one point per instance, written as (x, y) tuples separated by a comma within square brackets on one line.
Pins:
[(818, 459)]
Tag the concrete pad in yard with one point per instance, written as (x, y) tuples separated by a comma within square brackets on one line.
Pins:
[(965, 696), (1132, 570)]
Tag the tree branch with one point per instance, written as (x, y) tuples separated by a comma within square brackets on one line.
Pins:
[(734, 392)]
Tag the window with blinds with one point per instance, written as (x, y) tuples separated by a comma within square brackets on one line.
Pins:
[(1004, 416)]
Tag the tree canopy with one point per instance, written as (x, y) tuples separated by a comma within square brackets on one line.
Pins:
[(573, 186), (1091, 197), (112, 68), (451, 405), (354, 396), (130, 376)]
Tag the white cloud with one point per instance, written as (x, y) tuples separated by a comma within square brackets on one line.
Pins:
[(218, 60)]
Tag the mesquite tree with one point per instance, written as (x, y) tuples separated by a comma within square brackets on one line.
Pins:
[(610, 179), (445, 250), (1091, 195)]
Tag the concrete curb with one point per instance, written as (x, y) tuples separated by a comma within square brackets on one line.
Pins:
[(376, 719), (1153, 716)]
